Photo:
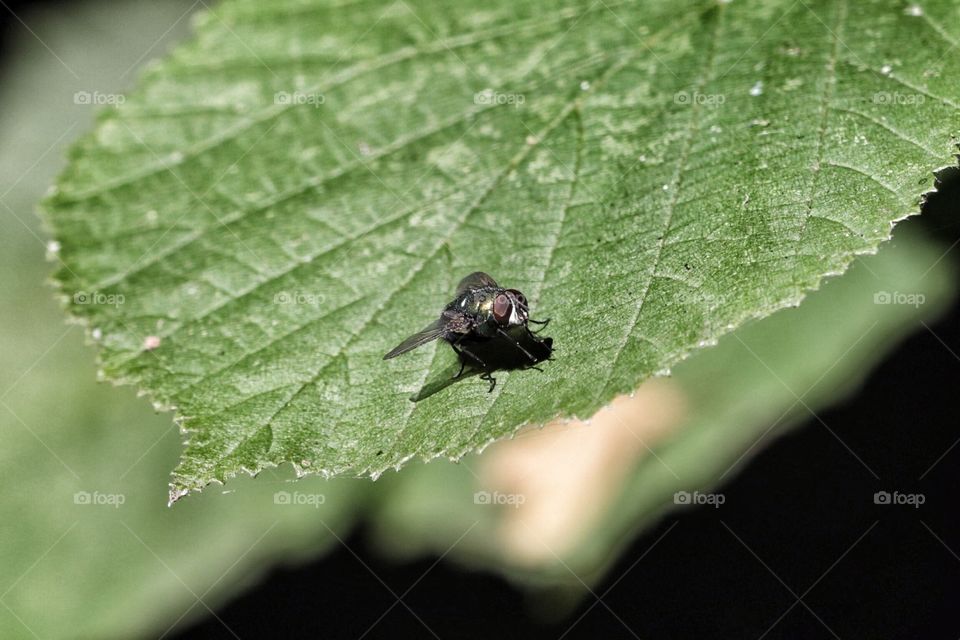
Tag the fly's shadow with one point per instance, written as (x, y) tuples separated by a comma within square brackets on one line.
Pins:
[(512, 349)]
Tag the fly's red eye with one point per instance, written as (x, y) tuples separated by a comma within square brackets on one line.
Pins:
[(502, 308)]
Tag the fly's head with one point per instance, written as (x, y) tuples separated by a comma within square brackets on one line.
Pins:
[(510, 308)]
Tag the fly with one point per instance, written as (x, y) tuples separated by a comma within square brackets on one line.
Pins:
[(484, 323)]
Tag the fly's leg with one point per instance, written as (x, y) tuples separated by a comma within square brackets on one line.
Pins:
[(529, 355), (542, 324), (456, 348), (489, 378), (533, 336), (460, 351), (475, 357)]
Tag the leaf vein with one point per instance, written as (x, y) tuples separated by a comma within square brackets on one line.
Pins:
[(693, 125)]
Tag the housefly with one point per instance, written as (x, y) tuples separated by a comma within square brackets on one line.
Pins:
[(487, 326)]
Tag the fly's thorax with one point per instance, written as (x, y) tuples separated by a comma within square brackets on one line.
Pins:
[(477, 303)]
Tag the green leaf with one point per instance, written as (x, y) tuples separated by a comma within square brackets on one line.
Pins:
[(300, 187)]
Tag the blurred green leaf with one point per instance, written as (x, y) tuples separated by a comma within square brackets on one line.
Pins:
[(294, 191)]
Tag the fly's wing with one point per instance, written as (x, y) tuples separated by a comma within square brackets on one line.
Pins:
[(475, 279), (431, 332)]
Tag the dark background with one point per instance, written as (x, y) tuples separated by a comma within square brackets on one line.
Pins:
[(798, 506)]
